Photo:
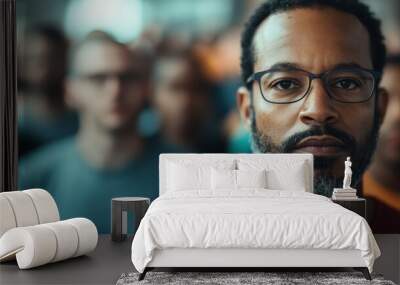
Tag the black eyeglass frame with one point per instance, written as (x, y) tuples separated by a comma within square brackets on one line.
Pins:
[(376, 75)]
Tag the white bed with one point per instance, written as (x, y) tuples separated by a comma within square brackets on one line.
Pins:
[(280, 225)]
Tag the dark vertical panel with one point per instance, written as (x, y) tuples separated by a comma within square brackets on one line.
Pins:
[(8, 88)]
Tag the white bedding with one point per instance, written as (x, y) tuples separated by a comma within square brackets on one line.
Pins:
[(252, 218)]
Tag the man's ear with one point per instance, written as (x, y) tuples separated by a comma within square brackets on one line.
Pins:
[(382, 102), (243, 101)]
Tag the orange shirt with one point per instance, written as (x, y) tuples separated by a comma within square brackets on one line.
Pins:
[(385, 204)]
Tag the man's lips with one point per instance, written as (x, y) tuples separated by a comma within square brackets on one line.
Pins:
[(117, 109), (321, 146)]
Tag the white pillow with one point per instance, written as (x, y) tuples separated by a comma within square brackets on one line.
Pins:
[(225, 179), (251, 178), (183, 178), (293, 179), (281, 175), (186, 174)]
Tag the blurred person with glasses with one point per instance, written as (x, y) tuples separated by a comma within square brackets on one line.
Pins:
[(43, 116), (107, 85), (311, 70), (183, 100)]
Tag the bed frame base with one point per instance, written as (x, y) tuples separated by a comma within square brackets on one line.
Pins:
[(252, 259), (364, 271), (142, 275)]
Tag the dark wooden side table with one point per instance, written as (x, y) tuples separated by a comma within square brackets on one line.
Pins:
[(119, 214), (357, 205)]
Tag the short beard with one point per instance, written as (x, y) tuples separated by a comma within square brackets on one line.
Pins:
[(324, 182)]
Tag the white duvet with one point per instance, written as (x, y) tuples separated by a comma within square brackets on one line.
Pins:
[(252, 218)]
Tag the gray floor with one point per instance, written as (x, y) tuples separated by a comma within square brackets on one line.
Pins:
[(103, 266), (389, 263), (110, 259)]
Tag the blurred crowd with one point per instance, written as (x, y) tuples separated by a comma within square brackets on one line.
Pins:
[(94, 115), (189, 87)]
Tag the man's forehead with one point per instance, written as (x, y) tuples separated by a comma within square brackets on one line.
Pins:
[(171, 67), (101, 56), (315, 38)]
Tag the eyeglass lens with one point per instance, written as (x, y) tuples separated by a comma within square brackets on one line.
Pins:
[(342, 85)]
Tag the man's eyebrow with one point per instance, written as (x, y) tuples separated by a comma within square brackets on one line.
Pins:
[(293, 65), (347, 65), (285, 66)]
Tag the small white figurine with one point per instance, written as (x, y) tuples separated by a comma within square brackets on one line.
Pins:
[(347, 174)]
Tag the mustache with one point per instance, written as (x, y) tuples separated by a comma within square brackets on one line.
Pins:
[(348, 140)]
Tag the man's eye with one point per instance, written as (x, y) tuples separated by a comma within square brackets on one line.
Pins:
[(98, 78), (285, 84), (347, 84)]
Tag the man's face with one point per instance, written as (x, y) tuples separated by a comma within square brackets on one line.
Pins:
[(109, 88), (388, 149), (179, 96), (316, 40), (42, 62)]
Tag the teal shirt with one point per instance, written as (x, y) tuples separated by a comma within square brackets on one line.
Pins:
[(81, 190)]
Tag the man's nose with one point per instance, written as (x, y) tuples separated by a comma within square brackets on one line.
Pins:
[(114, 86), (183, 100), (317, 108)]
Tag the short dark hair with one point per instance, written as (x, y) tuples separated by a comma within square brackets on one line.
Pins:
[(353, 7), (52, 34)]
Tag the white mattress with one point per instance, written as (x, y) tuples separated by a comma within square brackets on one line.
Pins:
[(250, 219)]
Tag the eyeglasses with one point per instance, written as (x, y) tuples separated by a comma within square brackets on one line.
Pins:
[(100, 78), (346, 85)]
